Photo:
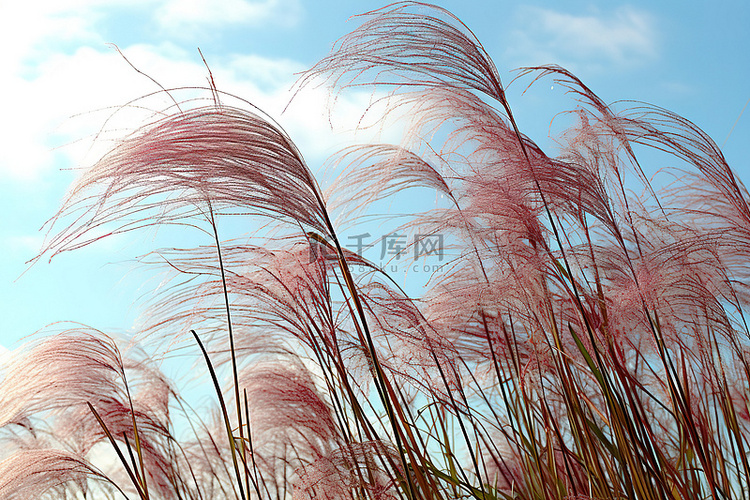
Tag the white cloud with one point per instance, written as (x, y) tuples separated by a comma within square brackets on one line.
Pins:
[(623, 38), (79, 97), (177, 15), (58, 105), (40, 91), (269, 73), (60, 97), (59, 70), (30, 31)]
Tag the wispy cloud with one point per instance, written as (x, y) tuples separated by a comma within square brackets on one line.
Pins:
[(262, 71), (623, 38), (54, 107), (59, 70), (177, 15)]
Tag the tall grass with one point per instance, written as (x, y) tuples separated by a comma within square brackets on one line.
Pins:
[(586, 339)]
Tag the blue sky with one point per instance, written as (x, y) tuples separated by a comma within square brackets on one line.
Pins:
[(62, 81)]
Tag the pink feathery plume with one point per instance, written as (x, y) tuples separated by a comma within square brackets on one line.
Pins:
[(173, 169), (36, 473), (352, 467), (58, 372), (408, 346), (662, 129), (290, 423), (377, 171), (411, 43), (484, 149), (277, 295), (57, 378)]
